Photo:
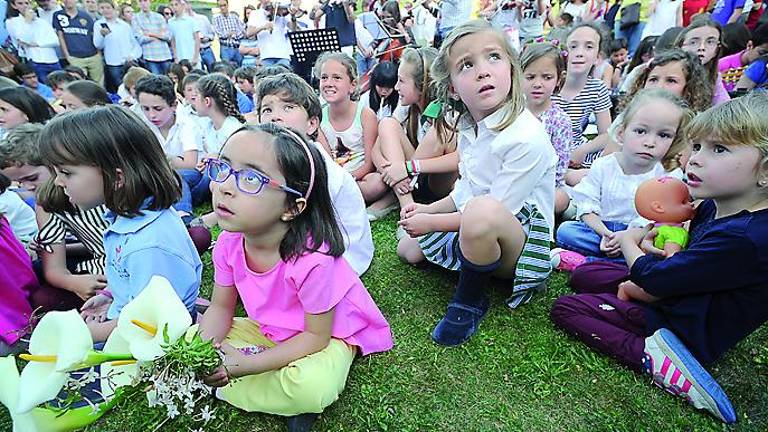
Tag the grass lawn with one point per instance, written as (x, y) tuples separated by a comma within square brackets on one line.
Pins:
[(518, 373)]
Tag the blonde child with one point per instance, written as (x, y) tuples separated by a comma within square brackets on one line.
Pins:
[(543, 74), (107, 156), (582, 96), (414, 142), (660, 331), (650, 142), (703, 38), (499, 217), (349, 126), (281, 255)]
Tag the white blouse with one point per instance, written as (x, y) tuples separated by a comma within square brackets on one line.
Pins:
[(609, 193), (514, 166)]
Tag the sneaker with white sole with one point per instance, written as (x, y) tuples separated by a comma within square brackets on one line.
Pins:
[(565, 260), (677, 371)]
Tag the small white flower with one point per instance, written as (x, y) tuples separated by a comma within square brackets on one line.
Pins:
[(606, 307), (207, 414)]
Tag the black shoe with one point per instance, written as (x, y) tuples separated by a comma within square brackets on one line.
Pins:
[(301, 422)]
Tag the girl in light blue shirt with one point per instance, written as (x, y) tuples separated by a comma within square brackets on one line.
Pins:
[(107, 155)]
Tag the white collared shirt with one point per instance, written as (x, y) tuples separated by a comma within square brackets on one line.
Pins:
[(514, 166), (120, 46)]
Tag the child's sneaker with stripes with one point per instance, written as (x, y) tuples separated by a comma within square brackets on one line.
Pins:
[(677, 371)]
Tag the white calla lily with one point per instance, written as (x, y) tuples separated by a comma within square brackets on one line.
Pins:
[(42, 419), (9, 394), (118, 374), (60, 342), (157, 311)]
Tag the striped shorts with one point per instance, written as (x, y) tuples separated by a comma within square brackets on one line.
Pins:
[(533, 267)]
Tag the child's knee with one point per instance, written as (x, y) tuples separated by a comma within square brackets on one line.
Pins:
[(389, 129), (483, 216), (409, 251), (562, 310)]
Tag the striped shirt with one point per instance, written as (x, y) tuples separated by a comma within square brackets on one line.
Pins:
[(224, 25), (88, 226), (152, 22), (593, 98)]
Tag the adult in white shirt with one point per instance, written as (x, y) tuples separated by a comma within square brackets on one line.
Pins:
[(185, 34), (207, 34), (115, 38), (47, 9), (271, 27), (35, 39)]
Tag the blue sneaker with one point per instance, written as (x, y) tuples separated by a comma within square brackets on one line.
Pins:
[(677, 371), (460, 322)]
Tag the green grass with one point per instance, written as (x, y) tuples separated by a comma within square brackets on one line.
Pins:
[(518, 373)]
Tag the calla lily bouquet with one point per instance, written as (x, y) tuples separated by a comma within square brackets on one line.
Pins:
[(151, 354)]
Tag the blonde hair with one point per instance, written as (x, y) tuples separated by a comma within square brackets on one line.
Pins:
[(349, 66), (133, 75), (740, 121), (441, 73), (670, 159), (420, 60)]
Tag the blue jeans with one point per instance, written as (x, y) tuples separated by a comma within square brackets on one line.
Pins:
[(632, 36), (197, 183), (231, 54), (113, 77), (363, 64), (267, 62), (43, 69), (579, 237), (207, 58), (158, 67)]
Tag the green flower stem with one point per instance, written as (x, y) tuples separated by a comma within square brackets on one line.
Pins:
[(93, 358)]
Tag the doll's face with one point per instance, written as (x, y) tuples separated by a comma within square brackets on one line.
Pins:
[(664, 200)]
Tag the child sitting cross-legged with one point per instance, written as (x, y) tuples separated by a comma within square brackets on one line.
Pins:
[(309, 314), (690, 308)]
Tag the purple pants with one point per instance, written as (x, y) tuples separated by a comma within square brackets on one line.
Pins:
[(598, 318), (599, 277)]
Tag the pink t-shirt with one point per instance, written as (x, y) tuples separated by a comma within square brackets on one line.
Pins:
[(731, 69), (17, 281), (314, 283)]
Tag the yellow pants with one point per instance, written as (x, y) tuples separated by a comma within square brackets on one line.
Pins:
[(306, 385), (93, 66)]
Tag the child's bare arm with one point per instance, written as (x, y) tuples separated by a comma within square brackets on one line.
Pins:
[(217, 320)]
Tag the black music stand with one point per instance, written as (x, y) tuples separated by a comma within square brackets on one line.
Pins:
[(307, 47)]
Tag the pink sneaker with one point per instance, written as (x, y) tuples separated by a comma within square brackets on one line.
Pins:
[(565, 260)]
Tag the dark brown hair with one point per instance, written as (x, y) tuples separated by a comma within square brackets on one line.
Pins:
[(698, 90), (112, 138), (316, 226), (219, 88)]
